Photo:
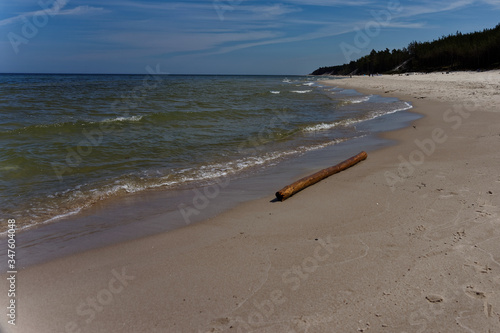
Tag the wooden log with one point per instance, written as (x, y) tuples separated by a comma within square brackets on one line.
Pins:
[(301, 184)]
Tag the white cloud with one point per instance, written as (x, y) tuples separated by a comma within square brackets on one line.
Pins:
[(431, 7), (173, 27), (212, 7), (56, 10), (270, 10), (161, 42), (327, 31), (167, 6), (82, 10), (330, 3), (495, 3), (244, 26)]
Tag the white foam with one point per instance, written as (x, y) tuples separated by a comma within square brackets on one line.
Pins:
[(79, 199), (407, 107), (348, 122), (219, 170), (133, 118), (82, 199), (324, 145), (76, 211), (52, 219), (376, 114), (321, 127), (274, 92), (361, 100), (327, 126), (301, 91)]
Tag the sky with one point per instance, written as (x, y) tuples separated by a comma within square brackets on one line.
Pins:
[(283, 37)]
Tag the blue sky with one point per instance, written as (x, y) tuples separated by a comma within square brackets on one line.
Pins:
[(220, 37)]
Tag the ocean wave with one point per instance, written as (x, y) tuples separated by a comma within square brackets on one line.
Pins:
[(121, 119), (407, 106), (321, 127), (59, 217), (72, 201), (68, 125), (328, 126), (352, 121), (361, 100), (42, 127), (218, 170), (164, 145)]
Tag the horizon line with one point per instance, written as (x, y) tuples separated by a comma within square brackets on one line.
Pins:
[(48, 73)]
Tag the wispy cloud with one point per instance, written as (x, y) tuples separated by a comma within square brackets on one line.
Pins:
[(79, 10), (432, 7), (165, 6), (197, 29), (184, 42), (495, 3), (246, 24), (83, 10), (271, 10), (268, 10), (330, 30), (331, 3)]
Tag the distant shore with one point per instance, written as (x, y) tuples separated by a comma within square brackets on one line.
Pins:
[(405, 241)]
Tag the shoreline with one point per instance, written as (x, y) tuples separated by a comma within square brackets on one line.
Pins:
[(154, 211), (141, 215), (406, 240)]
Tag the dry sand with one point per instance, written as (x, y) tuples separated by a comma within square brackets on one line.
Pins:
[(480, 88), (406, 241)]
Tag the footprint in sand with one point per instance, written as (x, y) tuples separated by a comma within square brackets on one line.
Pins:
[(471, 292)]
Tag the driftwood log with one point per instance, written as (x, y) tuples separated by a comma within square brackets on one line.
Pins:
[(301, 184)]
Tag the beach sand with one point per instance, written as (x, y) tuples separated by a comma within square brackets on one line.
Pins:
[(406, 241)]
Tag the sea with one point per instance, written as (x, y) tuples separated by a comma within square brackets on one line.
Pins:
[(71, 142)]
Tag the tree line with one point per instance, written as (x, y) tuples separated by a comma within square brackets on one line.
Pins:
[(472, 51)]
